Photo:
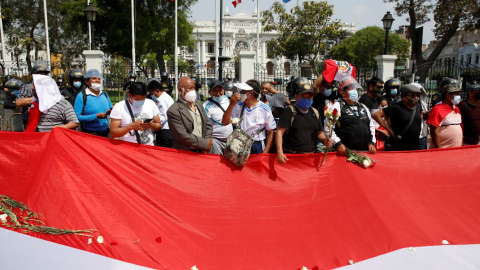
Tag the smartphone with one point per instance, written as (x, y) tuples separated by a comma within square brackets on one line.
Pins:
[(147, 121)]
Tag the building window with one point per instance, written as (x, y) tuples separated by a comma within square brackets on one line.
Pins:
[(191, 50), (211, 47), (469, 58), (270, 68), (476, 59), (461, 59), (286, 66)]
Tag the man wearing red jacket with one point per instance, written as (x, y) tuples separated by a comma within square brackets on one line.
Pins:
[(445, 120)]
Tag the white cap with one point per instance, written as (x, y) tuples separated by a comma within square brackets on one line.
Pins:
[(243, 86)]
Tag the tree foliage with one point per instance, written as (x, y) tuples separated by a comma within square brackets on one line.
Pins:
[(304, 32), (449, 16), (365, 44), (154, 28)]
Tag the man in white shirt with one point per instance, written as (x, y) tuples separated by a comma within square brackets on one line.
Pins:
[(163, 137), (215, 107), (256, 116), (144, 113)]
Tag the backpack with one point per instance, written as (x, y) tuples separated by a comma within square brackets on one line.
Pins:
[(239, 144)]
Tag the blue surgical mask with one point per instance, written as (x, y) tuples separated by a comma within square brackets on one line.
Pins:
[(456, 100), (353, 95), (219, 99), (77, 84), (304, 103), (327, 92), (393, 92), (138, 103)]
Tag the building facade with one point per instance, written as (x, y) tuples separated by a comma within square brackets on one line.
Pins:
[(239, 34)]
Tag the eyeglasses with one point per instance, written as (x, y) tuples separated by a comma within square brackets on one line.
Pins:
[(379, 86), (413, 95)]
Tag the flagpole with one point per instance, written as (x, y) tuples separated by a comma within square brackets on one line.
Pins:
[(133, 37), (258, 39), (296, 60), (3, 41), (89, 32), (176, 50), (216, 39), (46, 32)]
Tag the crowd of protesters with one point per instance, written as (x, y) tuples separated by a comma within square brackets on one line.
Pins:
[(388, 117)]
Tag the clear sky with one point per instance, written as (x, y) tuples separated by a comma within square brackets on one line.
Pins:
[(363, 12)]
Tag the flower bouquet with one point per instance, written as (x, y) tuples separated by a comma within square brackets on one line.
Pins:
[(332, 116)]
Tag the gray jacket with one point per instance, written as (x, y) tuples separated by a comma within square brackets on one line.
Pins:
[(180, 122)]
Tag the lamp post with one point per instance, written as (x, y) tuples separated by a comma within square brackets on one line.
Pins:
[(17, 52), (91, 13), (387, 25)]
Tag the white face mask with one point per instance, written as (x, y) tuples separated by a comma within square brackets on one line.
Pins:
[(243, 97), (228, 93), (456, 100), (96, 86), (190, 96)]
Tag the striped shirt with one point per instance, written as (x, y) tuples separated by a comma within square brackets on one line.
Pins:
[(58, 115)]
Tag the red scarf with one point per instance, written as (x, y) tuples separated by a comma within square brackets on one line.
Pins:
[(34, 114)]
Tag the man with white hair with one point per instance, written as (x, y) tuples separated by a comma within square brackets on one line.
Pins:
[(49, 108)]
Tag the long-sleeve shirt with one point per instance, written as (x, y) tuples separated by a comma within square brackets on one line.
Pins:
[(94, 105)]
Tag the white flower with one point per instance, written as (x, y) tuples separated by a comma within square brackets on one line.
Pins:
[(366, 163), (445, 242), (195, 267), (304, 268), (350, 262), (235, 121), (412, 249), (3, 217), (89, 241), (100, 239)]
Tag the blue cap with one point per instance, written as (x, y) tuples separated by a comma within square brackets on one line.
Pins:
[(93, 73)]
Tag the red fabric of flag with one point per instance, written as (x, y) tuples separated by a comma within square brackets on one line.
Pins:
[(234, 3)]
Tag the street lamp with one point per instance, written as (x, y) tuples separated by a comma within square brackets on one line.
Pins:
[(17, 52), (387, 25), (91, 13)]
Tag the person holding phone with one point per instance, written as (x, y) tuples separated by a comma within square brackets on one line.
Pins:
[(92, 105), (136, 118)]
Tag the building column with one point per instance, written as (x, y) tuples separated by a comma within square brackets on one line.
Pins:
[(202, 59), (264, 50), (198, 51)]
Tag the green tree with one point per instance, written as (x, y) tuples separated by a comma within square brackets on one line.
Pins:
[(154, 28), (304, 32), (365, 44), (449, 16), (25, 28)]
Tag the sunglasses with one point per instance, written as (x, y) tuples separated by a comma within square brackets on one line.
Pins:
[(413, 95)]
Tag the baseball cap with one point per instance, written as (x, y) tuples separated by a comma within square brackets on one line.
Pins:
[(304, 88), (243, 86), (215, 84)]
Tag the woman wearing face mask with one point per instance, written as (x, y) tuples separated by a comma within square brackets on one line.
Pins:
[(92, 106), (356, 130), (445, 120), (144, 111), (257, 119)]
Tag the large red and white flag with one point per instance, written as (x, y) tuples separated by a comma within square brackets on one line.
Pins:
[(158, 208)]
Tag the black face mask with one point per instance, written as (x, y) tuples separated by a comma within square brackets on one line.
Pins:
[(477, 95), (411, 102)]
